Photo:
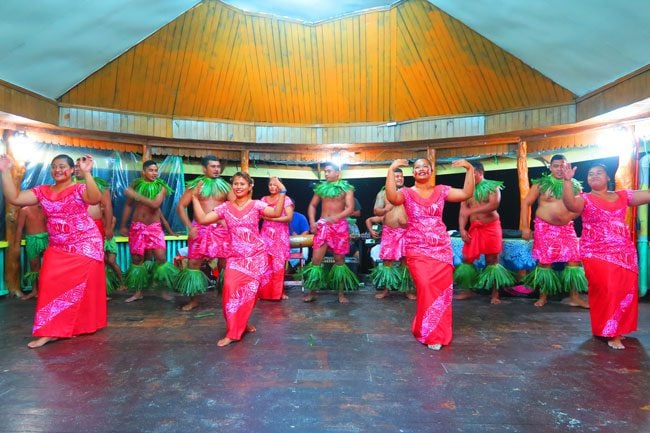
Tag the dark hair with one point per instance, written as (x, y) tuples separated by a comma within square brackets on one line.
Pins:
[(66, 157), (207, 158), (478, 166), (601, 166), (558, 157), (398, 170), (331, 164), (247, 177), (148, 163)]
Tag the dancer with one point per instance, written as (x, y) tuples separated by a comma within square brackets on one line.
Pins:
[(204, 242), (389, 274), (247, 261), (330, 231), (275, 233), (484, 237), (427, 246), (554, 238), (607, 252), (72, 293), (144, 198), (32, 220)]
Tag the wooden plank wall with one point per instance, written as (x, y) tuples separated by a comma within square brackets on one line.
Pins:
[(404, 62)]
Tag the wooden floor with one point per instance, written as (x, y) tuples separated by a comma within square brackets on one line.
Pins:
[(325, 367)]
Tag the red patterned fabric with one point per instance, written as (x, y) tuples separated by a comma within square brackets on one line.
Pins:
[(71, 296), (392, 243), (433, 280), (211, 241), (553, 243), (144, 237), (486, 238), (246, 265), (276, 239), (613, 298), (610, 262), (72, 284), (426, 234), (335, 235)]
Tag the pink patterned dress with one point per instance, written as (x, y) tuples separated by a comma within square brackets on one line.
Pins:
[(245, 266), (72, 290), (430, 259), (610, 261), (276, 238)]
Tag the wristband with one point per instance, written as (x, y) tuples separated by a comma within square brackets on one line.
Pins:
[(283, 191)]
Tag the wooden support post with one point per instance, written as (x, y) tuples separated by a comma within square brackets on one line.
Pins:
[(12, 256), (431, 156), (626, 178), (146, 153), (522, 173), (244, 161)]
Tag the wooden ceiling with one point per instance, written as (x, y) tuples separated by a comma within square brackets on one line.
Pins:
[(407, 62)]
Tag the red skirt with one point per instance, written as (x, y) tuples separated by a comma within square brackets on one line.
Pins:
[(71, 295), (613, 298), (272, 288), (238, 298), (434, 285)]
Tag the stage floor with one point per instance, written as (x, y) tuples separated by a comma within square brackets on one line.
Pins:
[(325, 367)]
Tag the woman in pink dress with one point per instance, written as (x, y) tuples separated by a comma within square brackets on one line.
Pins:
[(608, 253), (247, 262), (427, 245), (72, 290), (275, 233)]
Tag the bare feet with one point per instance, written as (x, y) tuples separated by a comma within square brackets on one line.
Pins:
[(542, 300), (284, 296), (42, 341), (495, 297), (167, 296), (250, 328), (28, 296), (464, 294), (575, 300), (224, 342), (343, 299), (382, 295), (311, 297), (135, 297), (615, 343), (436, 346), (121, 288), (190, 305), (411, 295)]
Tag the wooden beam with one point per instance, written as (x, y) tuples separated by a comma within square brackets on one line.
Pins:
[(23, 103), (244, 161), (522, 172), (431, 156)]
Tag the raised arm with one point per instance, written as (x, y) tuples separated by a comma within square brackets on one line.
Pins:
[(279, 205), (394, 196), (12, 194), (92, 195), (640, 197), (573, 203), (456, 194), (153, 204), (199, 213)]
